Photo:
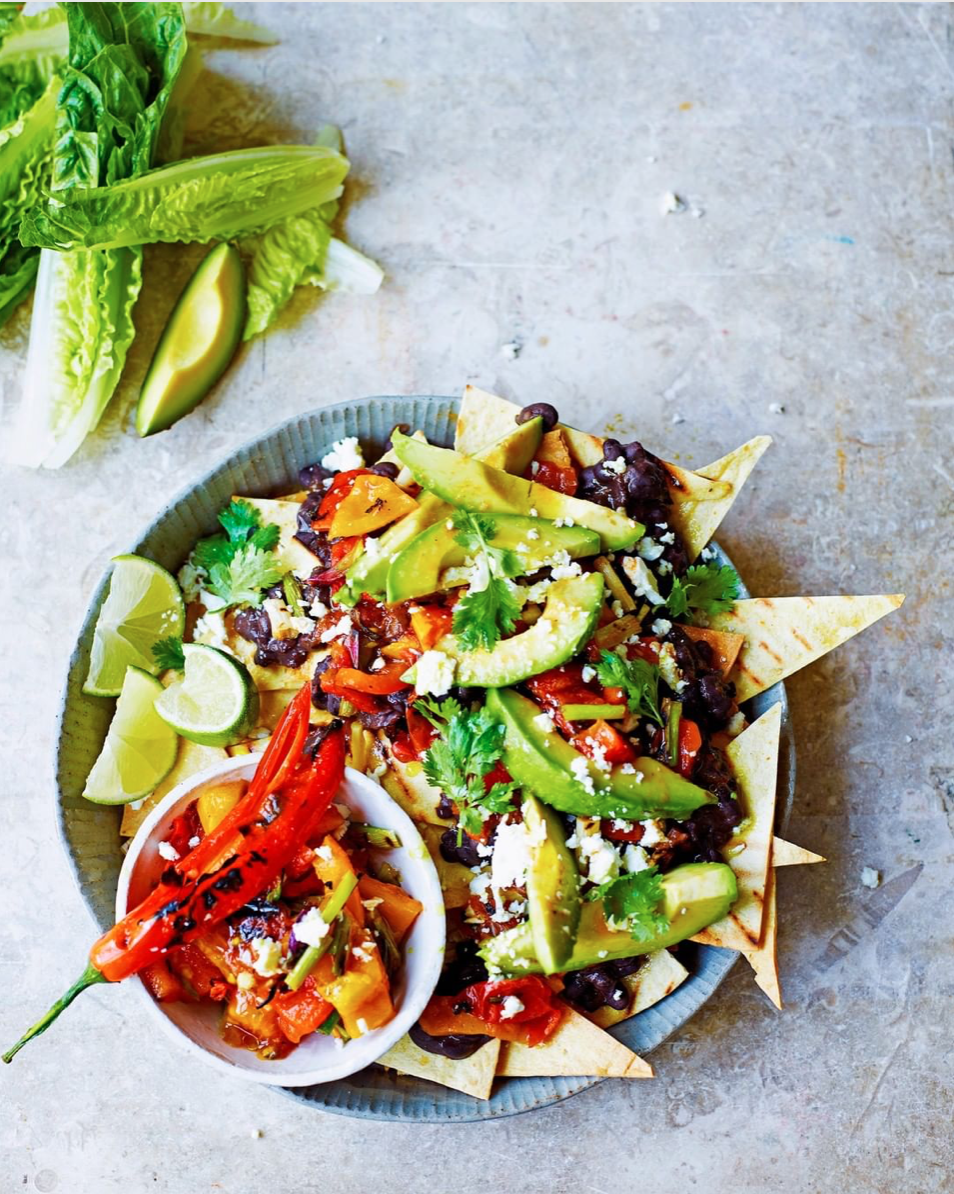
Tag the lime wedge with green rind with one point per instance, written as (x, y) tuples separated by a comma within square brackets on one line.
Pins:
[(140, 749), (143, 605), (215, 703)]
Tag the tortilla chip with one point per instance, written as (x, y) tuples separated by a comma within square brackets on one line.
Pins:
[(273, 703), (472, 1075), (191, 759), (577, 1048), (658, 977), (783, 634), (764, 960), (284, 515), (409, 786), (454, 876), (788, 854), (700, 499), (725, 646), (297, 497), (754, 759)]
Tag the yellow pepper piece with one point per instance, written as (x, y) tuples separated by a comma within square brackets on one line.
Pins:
[(372, 503)]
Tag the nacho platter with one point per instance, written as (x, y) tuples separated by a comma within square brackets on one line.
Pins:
[(581, 1048)]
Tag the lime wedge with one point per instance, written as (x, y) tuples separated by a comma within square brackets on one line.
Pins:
[(140, 749), (216, 703), (143, 605)]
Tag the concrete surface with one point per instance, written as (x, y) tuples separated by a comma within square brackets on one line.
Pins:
[(509, 167)]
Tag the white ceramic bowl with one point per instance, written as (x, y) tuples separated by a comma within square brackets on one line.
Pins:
[(318, 1058)]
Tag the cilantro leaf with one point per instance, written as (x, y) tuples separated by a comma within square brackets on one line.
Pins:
[(266, 538), (637, 677), (633, 900), (468, 748), (216, 549), (240, 519), (709, 588), (168, 653), (241, 581), (490, 607)]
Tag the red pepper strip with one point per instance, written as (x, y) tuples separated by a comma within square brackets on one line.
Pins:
[(281, 754), (172, 915), (380, 683), (341, 549), (690, 743), (482, 1009), (360, 700)]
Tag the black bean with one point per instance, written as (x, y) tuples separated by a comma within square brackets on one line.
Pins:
[(455, 1046), (539, 410), (385, 469)]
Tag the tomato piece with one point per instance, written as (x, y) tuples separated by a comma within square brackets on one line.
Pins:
[(360, 700), (644, 648), (601, 739), (301, 1012), (163, 985), (633, 834), (563, 480), (690, 743), (499, 775), (403, 748), (196, 971), (483, 1008), (184, 828), (343, 549), (421, 731)]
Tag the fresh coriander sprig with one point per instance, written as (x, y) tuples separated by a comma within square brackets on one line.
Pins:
[(490, 607), (637, 677), (239, 564), (469, 748), (633, 900), (168, 653), (708, 588)]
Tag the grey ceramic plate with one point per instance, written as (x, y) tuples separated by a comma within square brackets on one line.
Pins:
[(90, 833)]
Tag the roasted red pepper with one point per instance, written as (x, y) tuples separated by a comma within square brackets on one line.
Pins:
[(338, 490), (602, 740), (286, 799), (513, 1009), (690, 743)]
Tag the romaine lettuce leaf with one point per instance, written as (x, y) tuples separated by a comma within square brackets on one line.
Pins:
[(215, 20), (279, 261), (34, 48), (218, 197)]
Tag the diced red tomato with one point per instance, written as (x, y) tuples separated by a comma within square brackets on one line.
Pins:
[(163, 985), (602, 739), (403, 748), (633, 833), (343, 549), (563, 480), (301, 1012), (644, 648), (196, 971), (499, 775), (564, 686), (184, 828), (360, 700), (422, 732), (690, 743)]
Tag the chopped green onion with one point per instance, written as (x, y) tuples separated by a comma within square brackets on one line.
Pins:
[(339, 946), (292, 591), (672, 732), (375, 836), (329, 914)]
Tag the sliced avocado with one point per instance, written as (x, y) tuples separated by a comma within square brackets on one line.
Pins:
[(416, 570), (200, 339), (470, 483), (694, 896), (369, 574), (553, 887), (567, 621), (549, 766)]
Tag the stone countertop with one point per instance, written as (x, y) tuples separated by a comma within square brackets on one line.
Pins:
[(510, 163)]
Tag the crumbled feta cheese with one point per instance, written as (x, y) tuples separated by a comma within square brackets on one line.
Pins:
[(538, 592), (363, 951), (776, 408), (338, 630), (649, 549), (565, 571), (434, 673), (707, 553), (168, 851), (484, 849), (345, 454), (533, 512), (324, 852), (670, 204), (736, 725), (870, 877), (362, 1025), (511, 857), (544, 723), (664, 567), (211, 630), (628, 769), (480, 884), (449, 524), (311, 928), (266, 956), (668, 668), (581, 773), (661, 627), (635, 859), (681, 686), (533, 533), (244, 981), (642, 580), (669, 537), (317, 609), (194, 841), (534, 467), (371, 904), (652, 833), (617, 608), (378, 664), (600, 761), (511, 1006), (283, 624), (588, 673), (617, 466)]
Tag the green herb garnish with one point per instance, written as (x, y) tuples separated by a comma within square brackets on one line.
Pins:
[(634, 900), (708, 588), (469, 748), (168, 653), (239, 563), (638, 678), (490, 607)]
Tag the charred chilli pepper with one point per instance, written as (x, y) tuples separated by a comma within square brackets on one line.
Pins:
[(242, 857)]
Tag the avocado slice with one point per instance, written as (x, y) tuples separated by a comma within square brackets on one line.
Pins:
[(567, 622), (416, 570), (468, 482), (369, 573), (549, 766), (199, 341), (553, 887), (694, 896)]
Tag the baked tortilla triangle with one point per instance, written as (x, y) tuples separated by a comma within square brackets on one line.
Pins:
[(764, 960), (293, 555), (700, 499), (472, 1075), (788, 854), (754, 759), (784, 634), (577, 1049)]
